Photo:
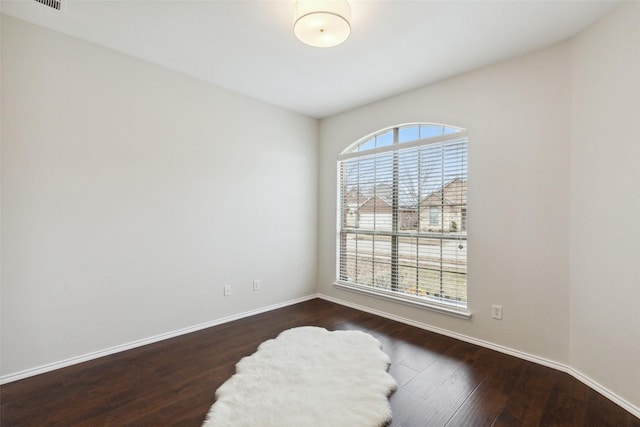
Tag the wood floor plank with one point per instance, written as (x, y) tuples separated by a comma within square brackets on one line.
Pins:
[(481, 408), (528, 397), (401, 373), (445, 401), (427, 381), (403, 403), (173, 382), (601, 412), (563, 410)]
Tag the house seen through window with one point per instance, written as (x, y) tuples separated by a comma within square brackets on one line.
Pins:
[(403, 215)]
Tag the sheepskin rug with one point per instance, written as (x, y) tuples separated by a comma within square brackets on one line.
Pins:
[(308, 376)]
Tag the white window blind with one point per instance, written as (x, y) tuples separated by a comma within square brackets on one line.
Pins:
[(403, 214)]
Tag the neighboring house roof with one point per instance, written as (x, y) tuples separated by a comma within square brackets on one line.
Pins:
[(354, 198), (452, 193), (385, 192), (375, 204)]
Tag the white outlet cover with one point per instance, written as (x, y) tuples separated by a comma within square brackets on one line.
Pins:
[(496, 312)]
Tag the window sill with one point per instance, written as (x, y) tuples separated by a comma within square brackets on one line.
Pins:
[(439, 308)]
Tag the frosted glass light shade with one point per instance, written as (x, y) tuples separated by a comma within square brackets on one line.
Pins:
[(322, 23)]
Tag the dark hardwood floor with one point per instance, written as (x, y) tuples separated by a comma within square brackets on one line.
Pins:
[(441, 381)]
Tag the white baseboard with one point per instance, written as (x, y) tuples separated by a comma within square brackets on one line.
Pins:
[(139, 343), (635, 410), (628, 406)]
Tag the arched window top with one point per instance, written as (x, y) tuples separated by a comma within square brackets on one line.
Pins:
[(406, 134)]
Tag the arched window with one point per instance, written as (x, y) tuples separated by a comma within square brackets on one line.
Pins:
[(403, 215)]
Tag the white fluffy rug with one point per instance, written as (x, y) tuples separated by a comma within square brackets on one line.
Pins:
[(308, 376)]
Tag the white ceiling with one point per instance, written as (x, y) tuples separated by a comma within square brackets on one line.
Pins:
[(249, 46)]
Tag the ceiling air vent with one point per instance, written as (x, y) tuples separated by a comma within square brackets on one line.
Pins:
[(54, 4)]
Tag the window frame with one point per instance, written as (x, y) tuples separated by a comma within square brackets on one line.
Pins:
[(396, 233)]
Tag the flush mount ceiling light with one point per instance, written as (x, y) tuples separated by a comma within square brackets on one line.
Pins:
[(322, 23)]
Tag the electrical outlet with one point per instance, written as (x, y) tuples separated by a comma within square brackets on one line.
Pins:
[(496, 312), (256, 285), (227, 290)]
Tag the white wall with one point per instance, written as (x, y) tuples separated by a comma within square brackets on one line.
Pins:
[(605, 203), (554, 175), (517, 120), (132, 194)]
